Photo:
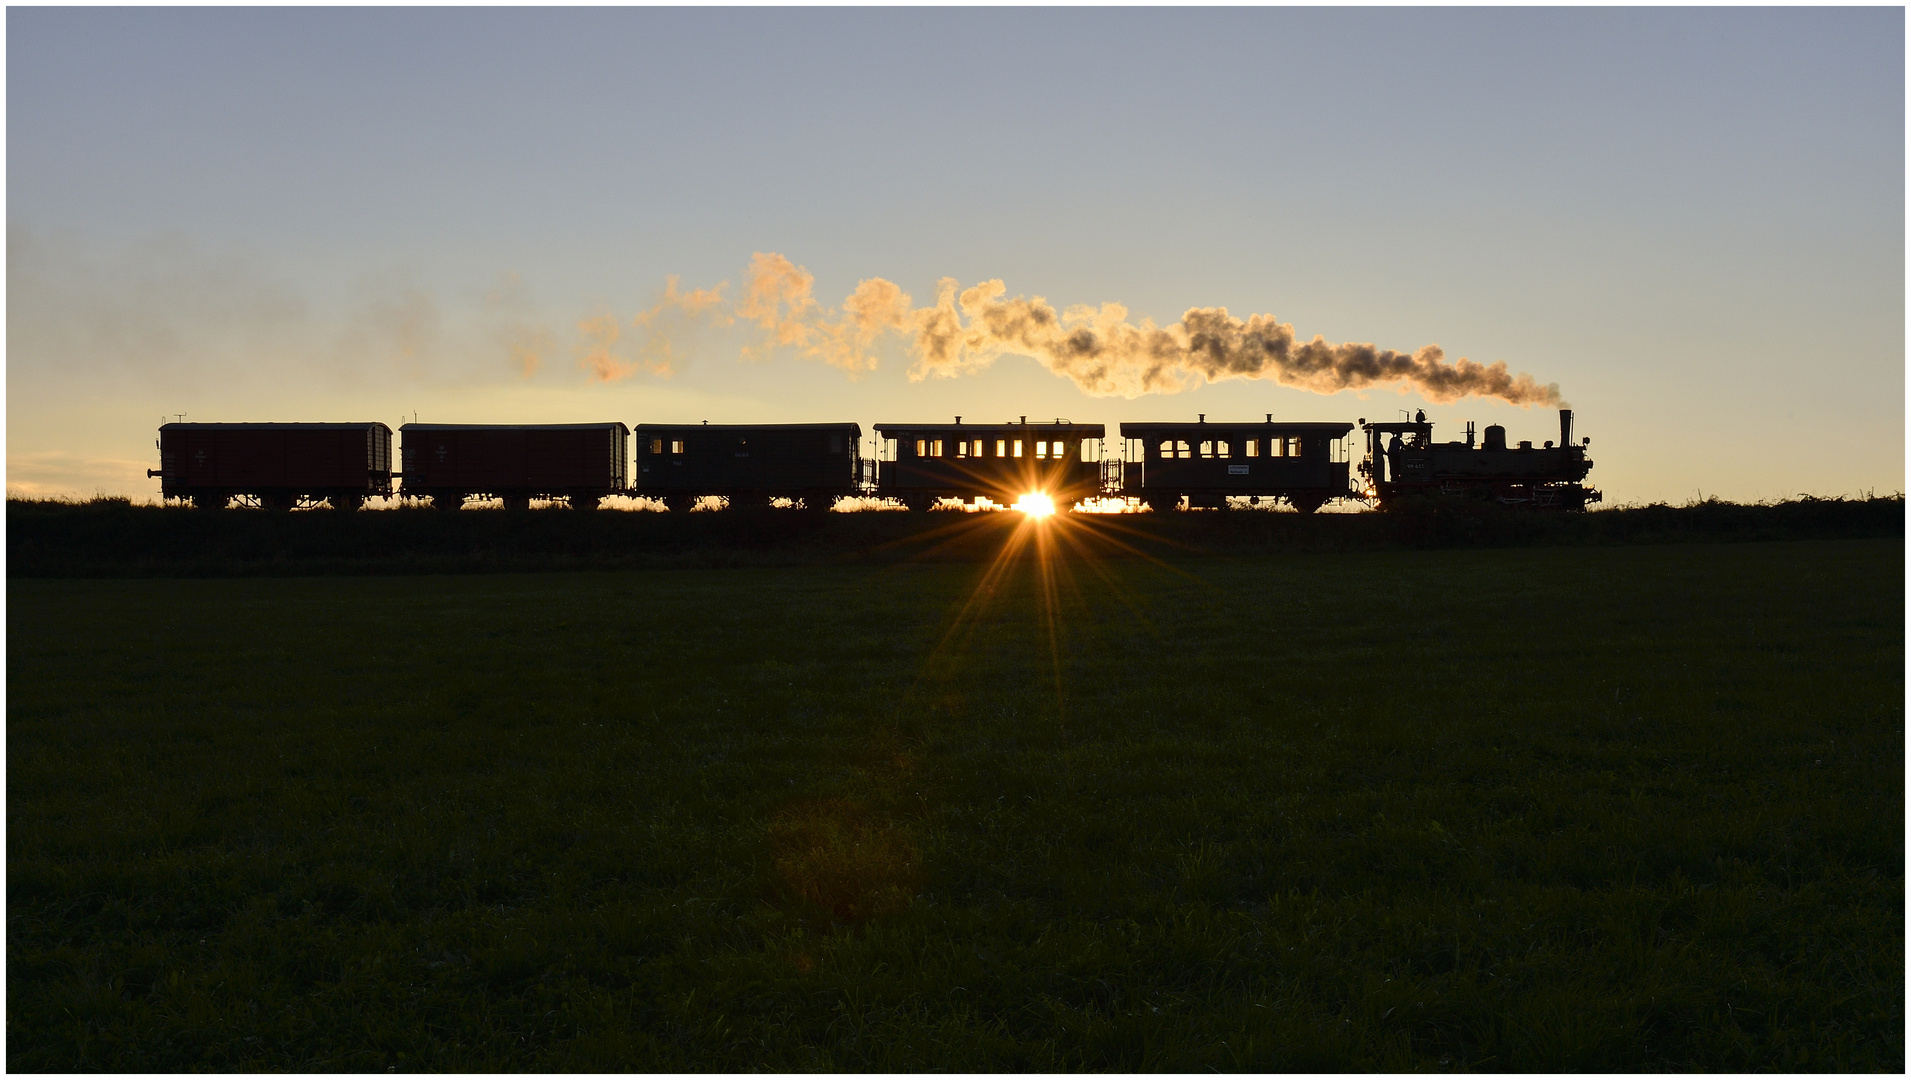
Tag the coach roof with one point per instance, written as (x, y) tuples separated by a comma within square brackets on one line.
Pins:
[(515, 427), (1140, 430), (1044, 427)]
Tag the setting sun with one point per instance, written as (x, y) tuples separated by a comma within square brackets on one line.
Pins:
[(1035, 504)]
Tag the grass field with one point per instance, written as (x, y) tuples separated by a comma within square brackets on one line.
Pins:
[(1562, 808)]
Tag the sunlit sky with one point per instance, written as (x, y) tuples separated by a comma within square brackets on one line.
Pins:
[(1691, 220)]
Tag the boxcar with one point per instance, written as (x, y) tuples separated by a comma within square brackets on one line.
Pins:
[(1303, 463), (277, 465), (755, 463), (580, 463), (1000, 462), (1403, 459)]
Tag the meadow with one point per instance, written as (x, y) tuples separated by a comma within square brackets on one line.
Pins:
[(1570, 807)]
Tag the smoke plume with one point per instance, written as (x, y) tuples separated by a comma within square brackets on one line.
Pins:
[(1098, 348)]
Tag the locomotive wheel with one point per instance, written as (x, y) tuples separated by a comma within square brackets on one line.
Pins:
[(448, 501), (1159, 504), (348, 502)]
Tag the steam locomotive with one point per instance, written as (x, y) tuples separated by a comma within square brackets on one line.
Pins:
[(1159, 465)]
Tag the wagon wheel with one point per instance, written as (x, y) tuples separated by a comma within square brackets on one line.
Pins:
[(1307, 504), (818, 502), (275, 502), (447, 500), (348, 502), (679, 504), (209, 500), (918, 504), (581, 500), (1160, 504), (515, 503)]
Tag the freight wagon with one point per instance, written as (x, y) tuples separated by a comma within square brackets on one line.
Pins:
[(1403, 460), (923, 463), (814, 464), (276, 466), (579, 463), (1303, 463)]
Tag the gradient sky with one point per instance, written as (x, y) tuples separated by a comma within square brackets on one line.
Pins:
[(1691, 220)]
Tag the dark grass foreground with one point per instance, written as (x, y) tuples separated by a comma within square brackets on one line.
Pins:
[(1632, 808), (111, 538)]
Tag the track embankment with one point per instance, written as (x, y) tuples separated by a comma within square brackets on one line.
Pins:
[(112, 538)]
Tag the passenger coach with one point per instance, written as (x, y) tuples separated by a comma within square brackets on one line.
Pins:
[(922, 463), (1304, 463)]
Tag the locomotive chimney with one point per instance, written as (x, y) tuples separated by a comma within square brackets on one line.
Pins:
[(1565, 427), (1495, 438), (1469, 434)]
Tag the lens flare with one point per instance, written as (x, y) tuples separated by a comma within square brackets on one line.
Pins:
[(1035, 505)]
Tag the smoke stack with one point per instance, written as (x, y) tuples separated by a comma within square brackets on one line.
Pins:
[(1469, 434), (1495, 438), (1565, 427)]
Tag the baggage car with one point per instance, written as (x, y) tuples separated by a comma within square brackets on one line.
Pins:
[(815, 464), (579, 463), (922, 463), (1303, 463), (276, 466)]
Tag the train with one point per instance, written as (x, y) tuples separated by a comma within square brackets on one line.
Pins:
[(1159, 466)]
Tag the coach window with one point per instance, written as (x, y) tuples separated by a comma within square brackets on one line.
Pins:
[(676, 446), (1167, 448), (1254, 448), (1207, 449), (1275, 447), (1041, 448), (656, 446), (1001, 448), (962, 448), (1018, 448), (1294, 446), (977, 452), (935, 448), (1222, 448)]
